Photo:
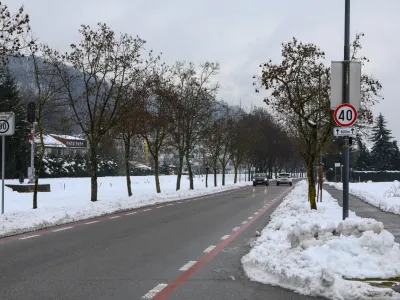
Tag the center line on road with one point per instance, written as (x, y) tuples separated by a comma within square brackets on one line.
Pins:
[(114, 217), (185, 276), (244, 222), (188, 265), (250, 218), (131, 213), (61, 229), (225, 237), (169, 204), (236, 229), (160, 206), (147, 209), (209, 249), (92, 222), (155, 291), (29, 237)]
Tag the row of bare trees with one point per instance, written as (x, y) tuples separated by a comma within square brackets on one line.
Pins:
[(111, 88)]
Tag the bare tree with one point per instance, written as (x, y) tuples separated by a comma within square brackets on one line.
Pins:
[(240, 140), (13, 28), (225, 124), (300, 87), (46, 90), (102, 66), (155, 122), (198, 98)]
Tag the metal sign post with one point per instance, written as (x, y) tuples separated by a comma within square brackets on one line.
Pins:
[(31, 117), (345, 99), (7, 127)]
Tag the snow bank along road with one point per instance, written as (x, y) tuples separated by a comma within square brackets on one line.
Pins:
[(190, 249)]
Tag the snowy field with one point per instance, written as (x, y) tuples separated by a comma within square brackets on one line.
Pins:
[(311, 252), (384, 195), (69, 199)]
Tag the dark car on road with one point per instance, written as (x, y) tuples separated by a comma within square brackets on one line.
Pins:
[(260, 178)]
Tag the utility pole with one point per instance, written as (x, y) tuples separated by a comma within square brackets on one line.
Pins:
[(346, 99)]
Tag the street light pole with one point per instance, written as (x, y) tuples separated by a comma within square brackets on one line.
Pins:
[(346, 96)]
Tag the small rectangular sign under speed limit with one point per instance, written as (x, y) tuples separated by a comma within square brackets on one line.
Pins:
[(344, 131)]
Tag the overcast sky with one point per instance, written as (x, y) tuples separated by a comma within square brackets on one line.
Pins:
[(239, 34)]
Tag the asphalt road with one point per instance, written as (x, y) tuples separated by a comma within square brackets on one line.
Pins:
[(162, 252)]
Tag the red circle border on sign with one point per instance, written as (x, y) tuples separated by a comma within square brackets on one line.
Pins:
[(352, 108)]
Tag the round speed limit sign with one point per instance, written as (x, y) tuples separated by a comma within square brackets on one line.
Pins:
[(345, 115)]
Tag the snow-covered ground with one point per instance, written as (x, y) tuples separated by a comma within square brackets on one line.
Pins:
[(69, 199), (384, 195), (311, 252)]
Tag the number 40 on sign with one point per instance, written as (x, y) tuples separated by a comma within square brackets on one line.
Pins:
[(345, 115)]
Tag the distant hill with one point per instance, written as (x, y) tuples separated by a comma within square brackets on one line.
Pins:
[(58, 118)]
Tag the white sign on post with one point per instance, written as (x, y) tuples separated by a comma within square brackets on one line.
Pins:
[(7, 127), (7, 123), (337, 83), (337, 165), (344, 131)]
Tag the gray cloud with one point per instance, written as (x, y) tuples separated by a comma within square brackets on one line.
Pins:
[(238, 34)]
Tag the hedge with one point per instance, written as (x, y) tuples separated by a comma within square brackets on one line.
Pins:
[(75, 166), (356, 176)]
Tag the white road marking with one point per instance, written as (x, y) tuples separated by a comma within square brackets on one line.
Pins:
[(254, 190), (179, 202), (29, 237), (147, 209), (114, 217), (188, 265), (225, 237), (160, 206), (250, 218), (244, 222), (236, 229), (265, 191), (61, 229), (155, 291), (91, 222), (169, 204), (256, 213), (209, 249), (132, 213)]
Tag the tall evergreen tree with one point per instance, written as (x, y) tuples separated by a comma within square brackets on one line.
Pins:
[(363, 160), (17, 146), (382, 149), (395, 159)]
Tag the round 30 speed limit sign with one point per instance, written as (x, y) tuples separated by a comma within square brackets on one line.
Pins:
[(345, 115)]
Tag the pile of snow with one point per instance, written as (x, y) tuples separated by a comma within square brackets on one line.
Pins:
[(69, 199), (384, 195), (311, 252)]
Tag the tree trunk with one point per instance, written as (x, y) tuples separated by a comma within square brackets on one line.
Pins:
[(189, 167), (93, 172), (236, 174), (180, 168), (206, 179), (156, 174), (223, 175), (215, 175), (311, 184), (127, 150)]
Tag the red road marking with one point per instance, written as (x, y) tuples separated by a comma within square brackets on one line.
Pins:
[(172, 287)]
